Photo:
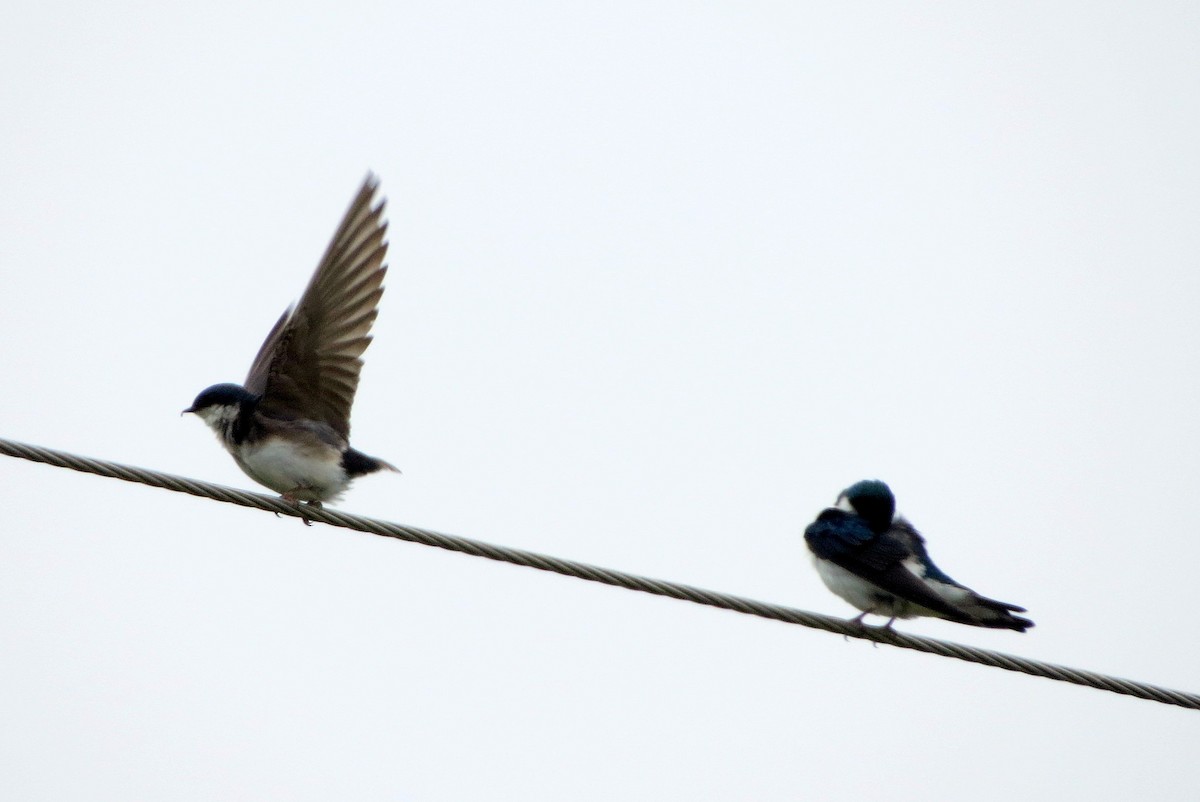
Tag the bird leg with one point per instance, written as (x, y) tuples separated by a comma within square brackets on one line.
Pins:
[(858, 621)]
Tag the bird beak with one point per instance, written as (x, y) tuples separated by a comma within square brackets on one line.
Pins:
[(186, 411)]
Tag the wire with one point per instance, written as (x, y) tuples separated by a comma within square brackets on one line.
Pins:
[(607, 576)]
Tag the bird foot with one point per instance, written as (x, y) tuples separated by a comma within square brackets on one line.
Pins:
[(291, 499), (858, 622)]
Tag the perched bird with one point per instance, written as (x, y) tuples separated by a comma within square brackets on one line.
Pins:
[(289, 427), (877, 562)]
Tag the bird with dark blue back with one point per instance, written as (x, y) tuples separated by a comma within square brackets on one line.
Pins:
[(877, 562), (288, 427)]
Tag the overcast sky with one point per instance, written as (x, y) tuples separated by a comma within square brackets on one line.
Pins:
[(665, 278)]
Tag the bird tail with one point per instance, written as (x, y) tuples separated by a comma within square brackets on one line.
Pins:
[(357, 463), (995, 614)]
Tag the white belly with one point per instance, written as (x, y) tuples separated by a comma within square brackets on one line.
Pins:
[(864, 595), (308, 473)]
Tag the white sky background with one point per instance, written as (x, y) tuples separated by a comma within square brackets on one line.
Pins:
[(665, 278)]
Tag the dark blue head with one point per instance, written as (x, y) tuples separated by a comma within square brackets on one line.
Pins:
[(220, 395), (872, 501)]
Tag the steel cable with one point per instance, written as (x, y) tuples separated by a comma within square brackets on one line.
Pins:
[(606, 576)]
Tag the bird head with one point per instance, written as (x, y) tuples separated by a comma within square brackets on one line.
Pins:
[(871, 500)]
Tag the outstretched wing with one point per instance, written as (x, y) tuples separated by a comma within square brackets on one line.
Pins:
[(308, 366)]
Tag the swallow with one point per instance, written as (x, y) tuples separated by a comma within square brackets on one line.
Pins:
[(288, 426), (877, 561)]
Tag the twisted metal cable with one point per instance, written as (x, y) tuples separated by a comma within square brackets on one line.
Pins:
[(606, 576)]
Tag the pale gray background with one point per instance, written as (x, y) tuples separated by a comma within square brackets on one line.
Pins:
[(665, 277)]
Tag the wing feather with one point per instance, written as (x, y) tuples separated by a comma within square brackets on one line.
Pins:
[(845, 540), (309, 365)]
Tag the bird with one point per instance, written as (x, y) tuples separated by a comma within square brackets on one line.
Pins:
[(288, 425), (877, 561)]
